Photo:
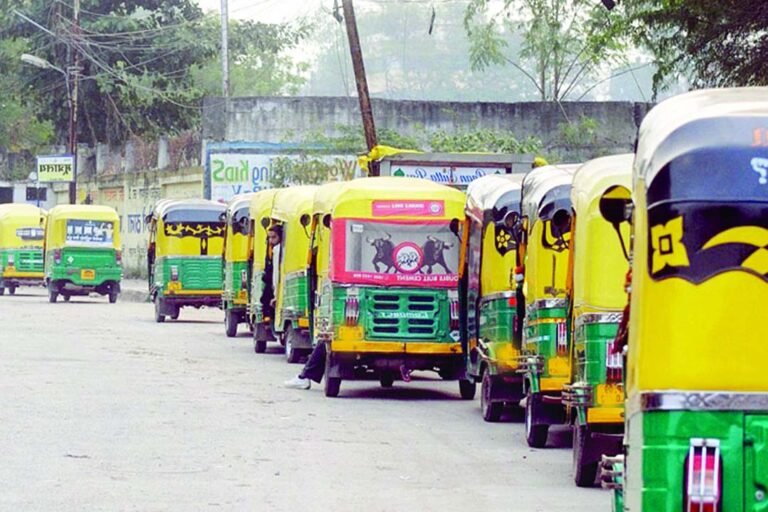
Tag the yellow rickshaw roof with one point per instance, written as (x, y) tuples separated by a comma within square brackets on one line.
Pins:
[(292, 202), (596, 176), (164, 206), (672, 115), (326, 196), (82, 211), (260, 200), (239, 201), (363, 190), (494, 191), (8, 210), (541, 180)]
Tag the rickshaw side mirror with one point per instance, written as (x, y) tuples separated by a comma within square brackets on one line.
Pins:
[(561, 222), (305, 220), (264, 222), (327, 220), (223, 217), (616, 207), (42, 221), (455, 227)]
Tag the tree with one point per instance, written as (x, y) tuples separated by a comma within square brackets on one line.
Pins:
[(145, 65), (563, 44), (715, 44)]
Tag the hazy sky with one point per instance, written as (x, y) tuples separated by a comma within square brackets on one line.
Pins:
[(266, 10)]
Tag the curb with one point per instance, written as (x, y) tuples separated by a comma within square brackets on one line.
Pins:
[(134, 296)]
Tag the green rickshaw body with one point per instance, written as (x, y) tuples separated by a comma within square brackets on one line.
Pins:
[(697, 392), (490, 297), (82, 251), (184, 255), (237, 263), (546, 360), (21, 246), (595, 395)]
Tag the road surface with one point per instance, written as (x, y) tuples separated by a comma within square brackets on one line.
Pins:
[(103, 409)]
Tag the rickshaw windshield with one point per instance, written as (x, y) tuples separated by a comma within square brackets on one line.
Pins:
[(558, 198), (708, 213), (395, 252), (188, 215)]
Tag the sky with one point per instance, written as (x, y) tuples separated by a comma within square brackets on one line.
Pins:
[(269, 11)]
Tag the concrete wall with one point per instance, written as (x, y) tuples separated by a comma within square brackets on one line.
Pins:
[(133, 195), (282, 119)]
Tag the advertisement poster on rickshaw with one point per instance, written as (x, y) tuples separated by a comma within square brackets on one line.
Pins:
[(90, 233), (395, 252)]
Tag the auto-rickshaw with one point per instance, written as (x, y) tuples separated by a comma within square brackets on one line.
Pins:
[(184, 255), (696, 386), (82, 251), (388, 260), (237, 263), (545, 362), (260, 310), (21, 246), (292, 209), (595, 396), (490, 299)]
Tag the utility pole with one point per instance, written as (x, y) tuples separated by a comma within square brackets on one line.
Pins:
[(362, 84), (73, 74), (225, 48)]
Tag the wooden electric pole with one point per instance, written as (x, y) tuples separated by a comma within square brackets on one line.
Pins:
[(73, 74), (362, 84), (225, 48)]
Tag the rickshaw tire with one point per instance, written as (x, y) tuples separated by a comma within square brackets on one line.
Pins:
[(112, 296), (386, 381), (467, 389), (491, 410), (230, 323), (535, 435), (52, 294), (2, 290), (292, 354), (260, 346), (584, 474), (159, 317), (331, 385), (175, 314), (66, 297), (11, 289)]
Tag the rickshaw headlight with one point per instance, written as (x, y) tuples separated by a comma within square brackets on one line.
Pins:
[(243, 279), (174, 273), (10, 260), (119, 257), (57, 256), (453, 304)]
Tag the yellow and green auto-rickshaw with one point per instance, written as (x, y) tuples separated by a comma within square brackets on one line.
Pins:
[(82, 251), (260, 308), (388, 261), (237, 263), (21, 246), (696, 383), (545, 363), (292, 209), (184, 255), (595, 396), (493, 341)]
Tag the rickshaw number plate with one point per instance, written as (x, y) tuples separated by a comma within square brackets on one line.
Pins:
[(87, 273), (609, 395)]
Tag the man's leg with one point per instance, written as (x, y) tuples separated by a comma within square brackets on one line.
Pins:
[(315, 366)]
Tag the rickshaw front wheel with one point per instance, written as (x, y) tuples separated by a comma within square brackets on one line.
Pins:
[(2, 290), (66, 297), (112, 295), (535, 435), (386, 381), (467, 389), (52, 293), (230, 323), (331, 385), (159, 316), (11, 289), (260, 346), (175, 314), (584, 473), (491, 410)]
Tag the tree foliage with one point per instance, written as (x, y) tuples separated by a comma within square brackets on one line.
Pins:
[(714, 43), (144, 65), (558, 45)]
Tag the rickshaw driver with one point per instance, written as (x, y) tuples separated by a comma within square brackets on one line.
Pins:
[(274, 239)]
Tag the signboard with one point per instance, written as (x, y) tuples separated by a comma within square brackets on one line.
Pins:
[(233, 173), (395, 252), (30, 234), (90, 233), (407, 207), (445, 174), (55, 168)]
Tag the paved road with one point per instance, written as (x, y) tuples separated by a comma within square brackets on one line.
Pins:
[(102, 409)]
